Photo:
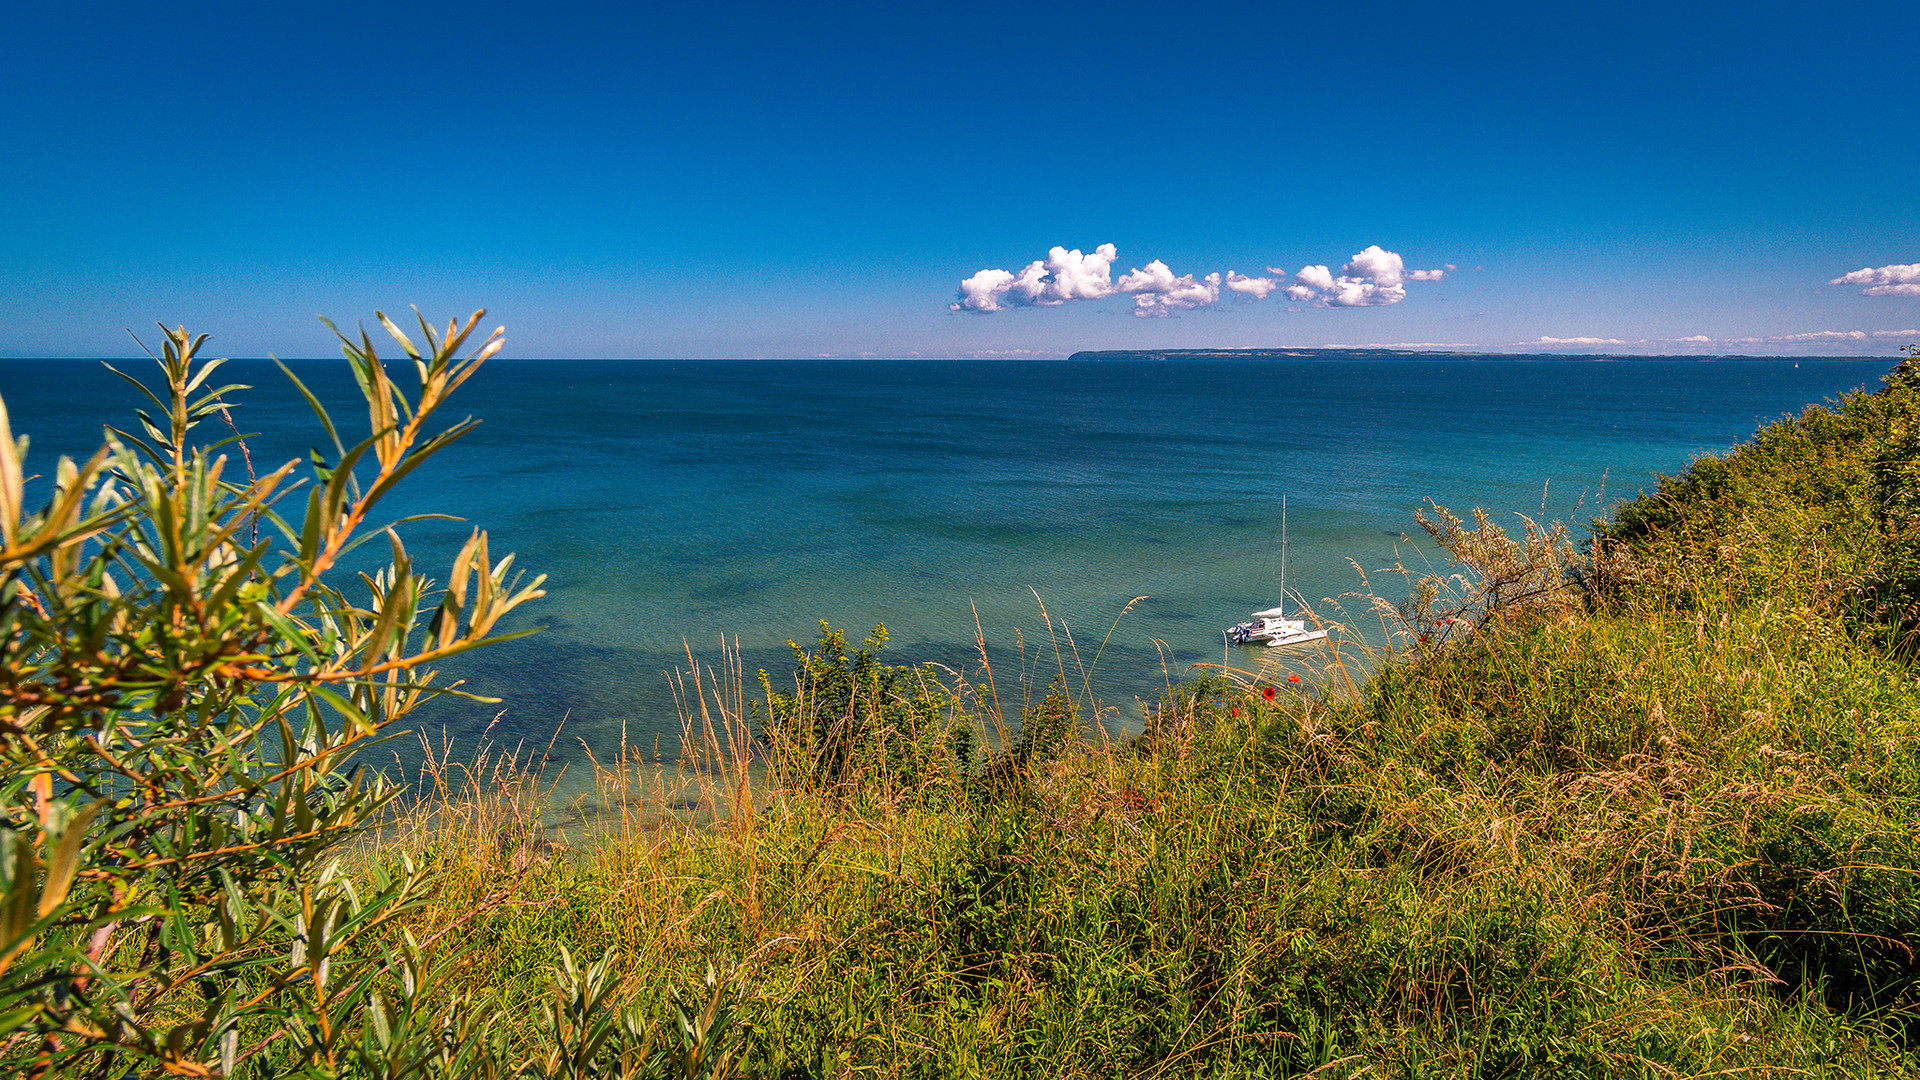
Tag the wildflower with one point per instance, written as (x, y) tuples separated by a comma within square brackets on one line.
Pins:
[(1236, 710), (1423, 639), (1294, 678), (1267, 692)]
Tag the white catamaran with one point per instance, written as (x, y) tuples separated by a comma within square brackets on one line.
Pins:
[(1272, 627)]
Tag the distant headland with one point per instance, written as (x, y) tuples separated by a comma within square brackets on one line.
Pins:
[(1401, 354), (1262, 354)]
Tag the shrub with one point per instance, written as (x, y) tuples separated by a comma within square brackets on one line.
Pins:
[(853, 724)]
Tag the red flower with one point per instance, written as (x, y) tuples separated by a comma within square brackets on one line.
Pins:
[(1293, 678), (1236, 710), (1267, 692)]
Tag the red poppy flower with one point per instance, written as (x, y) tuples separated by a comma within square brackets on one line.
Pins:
[(1293, 678), (1423, 639), (1267, 692), (1236, 710)]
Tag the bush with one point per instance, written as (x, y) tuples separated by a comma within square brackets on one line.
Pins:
[(853, 724)]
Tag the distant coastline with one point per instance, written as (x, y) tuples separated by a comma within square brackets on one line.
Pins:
[(1409, 354)]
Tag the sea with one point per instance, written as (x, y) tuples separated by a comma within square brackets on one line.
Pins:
[(1109, 518)]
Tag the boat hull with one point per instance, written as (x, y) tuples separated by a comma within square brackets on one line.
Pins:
[(1267, 633)]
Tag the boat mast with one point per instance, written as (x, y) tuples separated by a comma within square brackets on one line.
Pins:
[(1282, 607)]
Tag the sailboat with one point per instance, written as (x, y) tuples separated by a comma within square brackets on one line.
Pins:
[(1272, 627)]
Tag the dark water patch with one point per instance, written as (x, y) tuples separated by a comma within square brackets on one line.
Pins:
[(738, 589)]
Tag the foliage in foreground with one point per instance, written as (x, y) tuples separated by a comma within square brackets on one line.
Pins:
[(1648, 810), (182, 688)]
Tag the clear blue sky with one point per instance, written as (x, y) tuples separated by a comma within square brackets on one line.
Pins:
[(628, 179)]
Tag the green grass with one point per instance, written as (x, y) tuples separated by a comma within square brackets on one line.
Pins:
[(1661, 821)]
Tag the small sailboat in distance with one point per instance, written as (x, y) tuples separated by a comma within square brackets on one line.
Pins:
[(1271, 627)]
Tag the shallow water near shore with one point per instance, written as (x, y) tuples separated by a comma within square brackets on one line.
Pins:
[(671, 503)]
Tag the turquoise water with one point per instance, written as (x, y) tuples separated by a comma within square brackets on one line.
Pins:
[(672, 502)]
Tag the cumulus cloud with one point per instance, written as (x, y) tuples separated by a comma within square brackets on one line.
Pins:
[(1371, 279), (1080, 277), (1071, 275), (1157, 293), (1897, 279), (1378, 264), (1361, 292), (1374, 277), (1315, 277), (1062, 276), (982, 291), (1256, 287)]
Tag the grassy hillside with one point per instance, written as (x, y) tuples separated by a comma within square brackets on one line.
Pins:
[(1646, 808)]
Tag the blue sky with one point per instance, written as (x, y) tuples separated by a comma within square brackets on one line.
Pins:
[(642, 180)]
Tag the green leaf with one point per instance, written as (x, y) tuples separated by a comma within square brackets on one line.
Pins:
[(313, 403), (64, 861), (404, 341), (207, 369), (161, 405), (354, 715)]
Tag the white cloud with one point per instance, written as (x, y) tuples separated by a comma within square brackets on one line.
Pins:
[(1157, 293), (1841, 335), (1862, 342), (1069, 275), (1315, 277), (1374, 277), (1383, 267), (1897, 279), (1030, 285), (1081, 277), (1256, 287), (1360, 292), (1157, 276), (1064, 275), (982, 291)]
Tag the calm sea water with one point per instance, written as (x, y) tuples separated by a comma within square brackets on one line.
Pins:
[(673, 502)]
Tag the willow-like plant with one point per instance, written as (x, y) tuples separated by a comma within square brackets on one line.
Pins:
[(182, 685)]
